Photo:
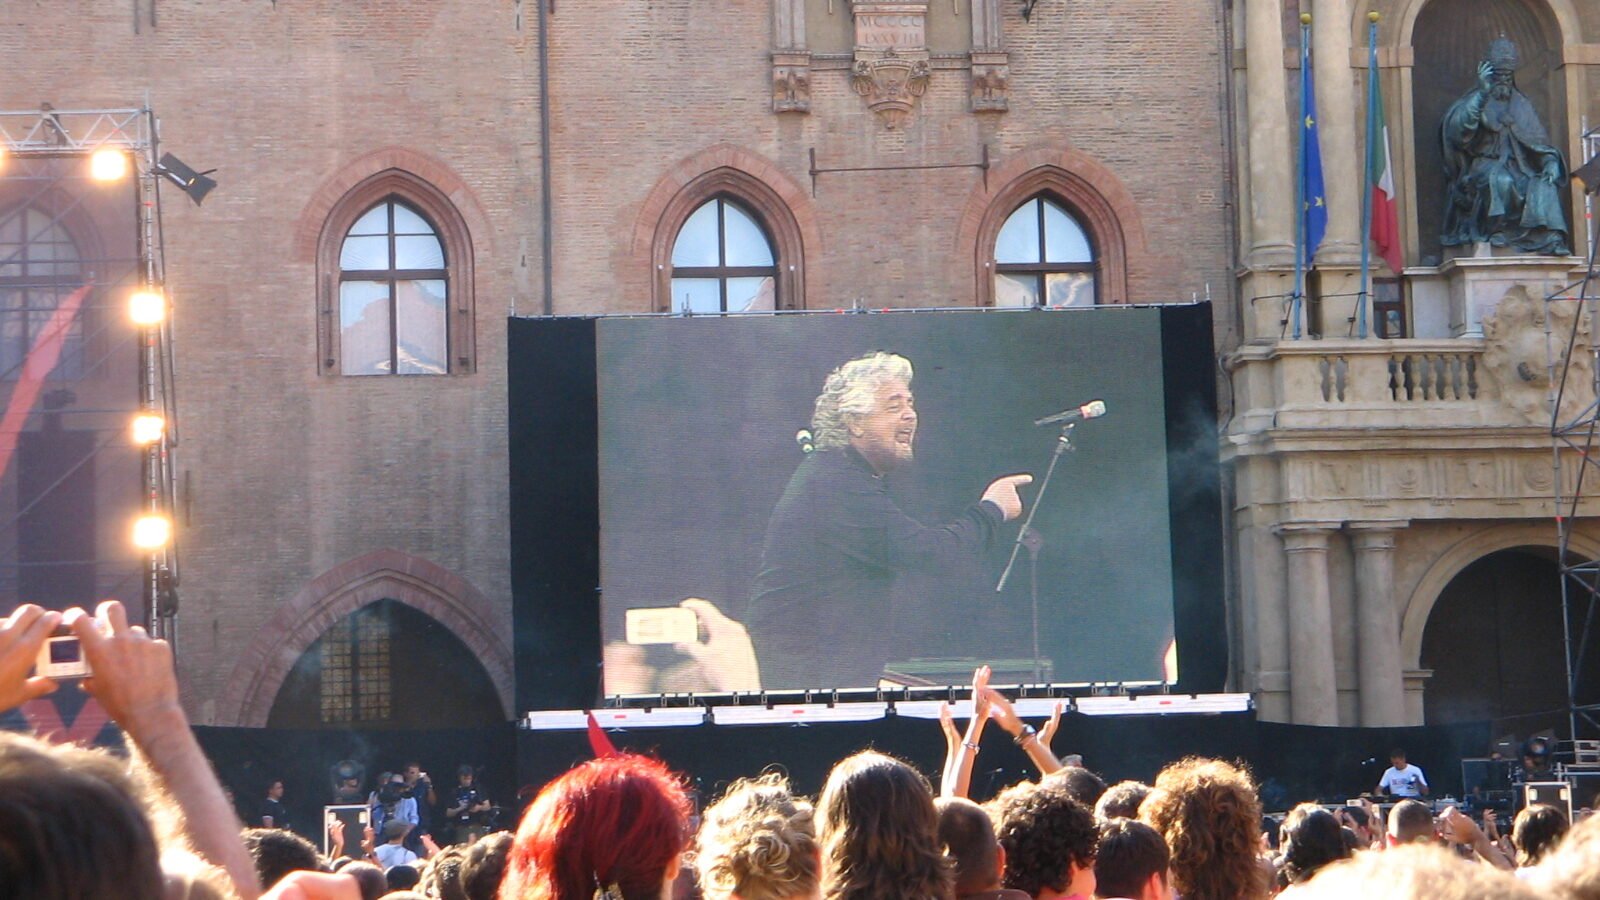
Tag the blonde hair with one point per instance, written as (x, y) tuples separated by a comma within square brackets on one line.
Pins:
[(850, 391), (1413, 872), (758, 842)]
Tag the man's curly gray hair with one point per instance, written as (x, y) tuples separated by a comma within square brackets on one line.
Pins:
[(850, 391)]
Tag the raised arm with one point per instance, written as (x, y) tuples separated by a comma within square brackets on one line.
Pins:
[(962, 750), (1022, 734), (135, 681)]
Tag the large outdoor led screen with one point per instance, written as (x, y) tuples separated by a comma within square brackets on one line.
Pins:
[(795, 501)]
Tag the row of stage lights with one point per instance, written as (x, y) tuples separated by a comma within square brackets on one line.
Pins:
[(147, 309)]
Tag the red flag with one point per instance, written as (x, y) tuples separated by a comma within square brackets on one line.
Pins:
[(41, 358), (598, 742)]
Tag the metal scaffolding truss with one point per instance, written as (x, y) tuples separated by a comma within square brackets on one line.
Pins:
[(1576, 440), (48, 132)]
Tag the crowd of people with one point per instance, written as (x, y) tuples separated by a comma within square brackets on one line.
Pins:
[(87, 823)]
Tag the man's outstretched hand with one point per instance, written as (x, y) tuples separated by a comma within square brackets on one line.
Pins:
[(21, 635), (1002, 492)]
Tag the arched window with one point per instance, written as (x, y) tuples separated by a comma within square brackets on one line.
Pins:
[(723, 261), (393, 294), (39, 266), (1043, 257), (395, 281)]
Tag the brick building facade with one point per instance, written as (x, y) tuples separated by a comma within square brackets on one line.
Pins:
[(879, 146), (309, 493)]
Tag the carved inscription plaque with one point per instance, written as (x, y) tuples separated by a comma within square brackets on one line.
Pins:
[(884, 26)]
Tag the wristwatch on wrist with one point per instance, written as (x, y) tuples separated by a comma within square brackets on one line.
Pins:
[(1024, 735)]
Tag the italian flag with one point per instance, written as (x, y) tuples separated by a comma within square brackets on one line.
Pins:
[(1385, 228)]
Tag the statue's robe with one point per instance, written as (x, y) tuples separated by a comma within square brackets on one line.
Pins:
[(1502, 174)]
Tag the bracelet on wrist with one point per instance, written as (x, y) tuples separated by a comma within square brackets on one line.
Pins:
[(1024, 735), (970, 746)]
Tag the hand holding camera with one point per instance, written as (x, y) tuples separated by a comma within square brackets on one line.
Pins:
[(23, 635)]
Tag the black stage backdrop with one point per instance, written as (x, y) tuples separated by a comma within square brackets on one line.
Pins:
[(247, 760), (555, 527), (1293, 763)]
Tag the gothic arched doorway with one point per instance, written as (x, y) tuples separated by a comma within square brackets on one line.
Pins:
[(386, 665), (1495, 644)]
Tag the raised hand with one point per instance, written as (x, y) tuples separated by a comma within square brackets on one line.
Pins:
[(947, 722), (1485, 75), (1002, 492), (133, 676), (21, 635), (1048, 732), (727, 656)]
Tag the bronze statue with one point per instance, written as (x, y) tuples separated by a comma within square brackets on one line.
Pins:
[(1501, 172)]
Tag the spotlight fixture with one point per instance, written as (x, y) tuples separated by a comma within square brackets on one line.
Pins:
[(147, 428), (1027, 9), (152, 532), (1589, 174), (193, 183), (147, 307), (108, 165)]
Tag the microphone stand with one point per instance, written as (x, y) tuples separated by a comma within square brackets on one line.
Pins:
[(1030, 538)]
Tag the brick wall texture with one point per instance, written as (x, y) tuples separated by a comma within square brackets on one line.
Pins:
[(293, 475)]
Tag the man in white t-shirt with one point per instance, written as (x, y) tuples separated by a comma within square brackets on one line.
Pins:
[(392, 852), (1402, 779)]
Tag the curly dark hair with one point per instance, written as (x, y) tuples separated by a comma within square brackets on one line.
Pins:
[(277, 852), (1312, 838), (1210, 815), (880, 833), (1046, 833)]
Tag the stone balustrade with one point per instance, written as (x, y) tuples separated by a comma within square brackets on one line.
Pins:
[(1368, 384)]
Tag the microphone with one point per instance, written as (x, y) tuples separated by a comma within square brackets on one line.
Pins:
[(1094, 409)]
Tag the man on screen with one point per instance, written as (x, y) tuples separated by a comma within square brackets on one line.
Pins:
[(820, 609)]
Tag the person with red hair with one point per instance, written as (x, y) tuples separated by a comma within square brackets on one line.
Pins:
[(612, 828)]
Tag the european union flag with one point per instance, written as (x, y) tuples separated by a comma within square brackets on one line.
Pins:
[(1314, 209)]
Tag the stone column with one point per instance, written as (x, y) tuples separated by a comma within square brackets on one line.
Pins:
[(1271, 180), (1383, 701), (1313, 690), (1336, 122)]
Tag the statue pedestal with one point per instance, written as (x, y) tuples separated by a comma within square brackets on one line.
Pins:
[(1475, 284)]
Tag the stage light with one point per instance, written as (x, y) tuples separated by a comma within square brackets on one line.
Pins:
[(147, 307), (147, 428), (108, 164), (193, 183), (152, 532)]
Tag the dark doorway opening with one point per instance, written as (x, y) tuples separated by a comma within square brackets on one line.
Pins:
[(1495, 644), (386, 665)]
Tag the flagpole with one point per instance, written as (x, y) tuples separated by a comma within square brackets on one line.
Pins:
[(1374, 132), (1300, 184)]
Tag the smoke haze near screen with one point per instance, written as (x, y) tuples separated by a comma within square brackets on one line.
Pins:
[(697, 425)]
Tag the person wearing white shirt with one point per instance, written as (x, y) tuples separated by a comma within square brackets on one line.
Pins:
[(1402, 779), (392, 852)]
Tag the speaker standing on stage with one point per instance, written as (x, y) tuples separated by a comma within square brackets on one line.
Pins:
[(1402, 779), (820, 610)]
